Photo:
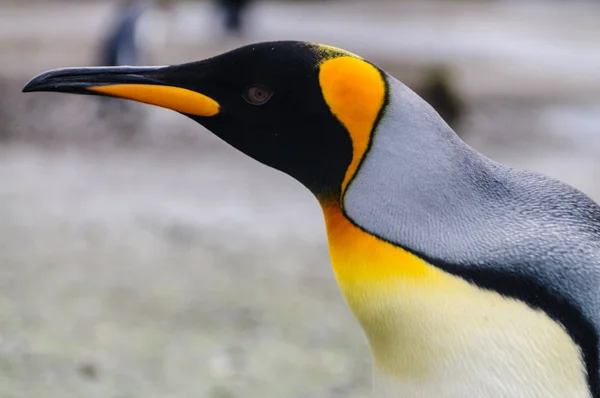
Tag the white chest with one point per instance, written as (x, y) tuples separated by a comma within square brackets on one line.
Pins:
[(459, 341)]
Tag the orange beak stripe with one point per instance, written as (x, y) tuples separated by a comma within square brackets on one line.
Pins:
[(174, 98)]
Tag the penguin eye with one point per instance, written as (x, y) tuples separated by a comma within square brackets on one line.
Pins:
[(257, 95)]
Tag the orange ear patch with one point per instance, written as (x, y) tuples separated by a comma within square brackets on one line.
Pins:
[(355, 92)]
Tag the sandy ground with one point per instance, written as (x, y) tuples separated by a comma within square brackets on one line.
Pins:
[(168, 265), (167, 277)]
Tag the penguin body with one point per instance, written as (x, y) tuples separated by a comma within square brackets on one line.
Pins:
[(442, 311), (469, 278), (121, 46), (233, 18)]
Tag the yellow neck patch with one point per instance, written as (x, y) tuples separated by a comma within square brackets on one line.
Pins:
[(358, 256), (355, 92), (378, 281)]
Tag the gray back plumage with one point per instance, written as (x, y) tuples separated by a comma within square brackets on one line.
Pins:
[(516, 232)]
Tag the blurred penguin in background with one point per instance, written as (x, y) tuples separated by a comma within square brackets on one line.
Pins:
[(438, 89), (233, 11), (123, 46)]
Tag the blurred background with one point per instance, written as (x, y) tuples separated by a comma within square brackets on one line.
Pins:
[(142, 257)]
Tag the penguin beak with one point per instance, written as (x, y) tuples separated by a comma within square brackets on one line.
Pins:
[(149, 85)]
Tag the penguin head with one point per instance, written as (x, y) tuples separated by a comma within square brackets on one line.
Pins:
[(302, 108)]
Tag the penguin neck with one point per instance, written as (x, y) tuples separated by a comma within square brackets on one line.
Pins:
[(417, 177), (412, 153), (414, 166), (433, 333), (378, 277)]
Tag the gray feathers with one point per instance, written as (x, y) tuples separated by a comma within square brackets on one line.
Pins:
[(522, 234)]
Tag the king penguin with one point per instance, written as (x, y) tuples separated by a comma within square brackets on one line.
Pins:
[(469, 278), (122, 45)]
